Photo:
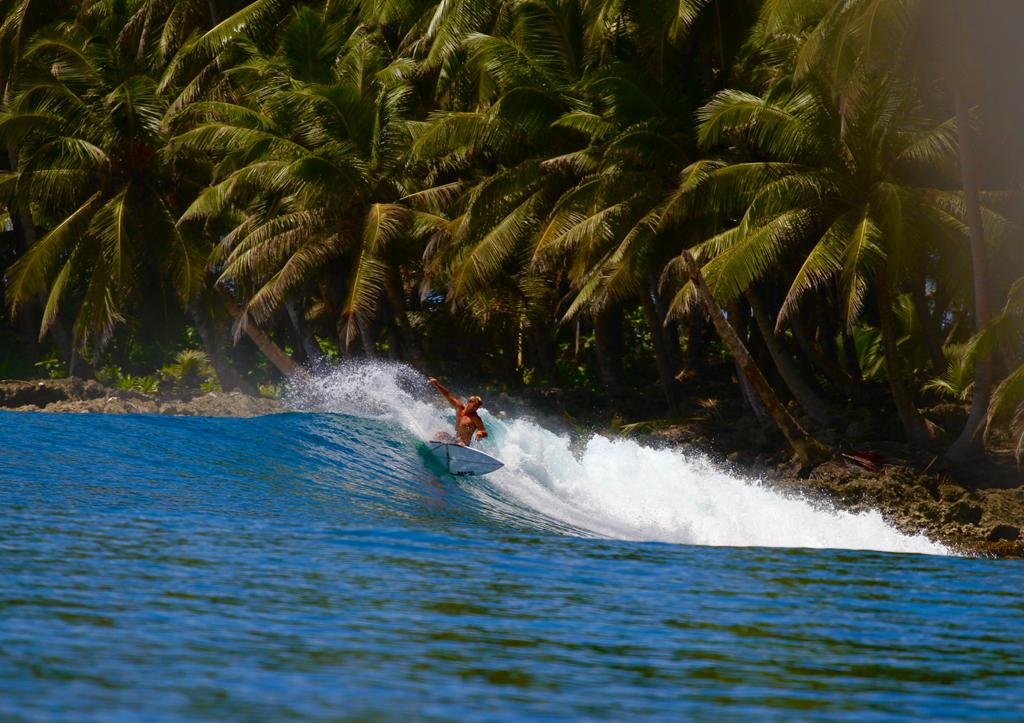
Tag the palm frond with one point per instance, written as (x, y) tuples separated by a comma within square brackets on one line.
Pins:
[(862, 254), (1008, 399), (821, 266), (506, 238), (30, 275), (383, 223), (247, 20)]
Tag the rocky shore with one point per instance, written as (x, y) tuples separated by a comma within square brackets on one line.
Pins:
[(973, 509), (83, 396), (976, 509)]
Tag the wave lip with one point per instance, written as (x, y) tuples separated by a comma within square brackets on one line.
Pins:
[(617, 489)]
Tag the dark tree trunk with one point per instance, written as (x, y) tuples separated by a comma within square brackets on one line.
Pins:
[(368, 336), (24, 236), (274, 354), (666, 373), (753, 401), (30, 312), (696, 346), (543, 343), (607, 340), (806, 397), (851, 358), (312, 354), (924, 318), (827, 365), (970, 442), (396, 300), (913, 424), (77, 366), (395, 345), (739, 322), (206, 326), (808, 450), (24, 231), (670, 331)]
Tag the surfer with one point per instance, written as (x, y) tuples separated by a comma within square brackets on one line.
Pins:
[(466, 419)]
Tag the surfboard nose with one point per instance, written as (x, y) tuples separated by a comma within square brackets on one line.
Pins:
[(462, 460)]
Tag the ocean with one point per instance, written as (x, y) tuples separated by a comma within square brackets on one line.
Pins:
[(320, 564)]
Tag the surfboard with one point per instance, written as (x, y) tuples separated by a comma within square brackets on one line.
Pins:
[(464, 460)]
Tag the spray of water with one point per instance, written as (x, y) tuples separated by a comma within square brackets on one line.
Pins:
[(613, 488)]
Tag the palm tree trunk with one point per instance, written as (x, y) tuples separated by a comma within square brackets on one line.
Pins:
[(606, 342), (739, 320), (827, 365), (396, 299), (30, 312), (77, 366), (670, 331), (368, 335), (764, 420), (284, 363), (924, 318), (970, 442), (661, 353), (695, 347), (310, 348), (540, 337), (850, 357), (806, 397), (913, 423), (206, 327), (808, 450)]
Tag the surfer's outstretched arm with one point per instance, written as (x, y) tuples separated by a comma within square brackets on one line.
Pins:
[(452, 399)]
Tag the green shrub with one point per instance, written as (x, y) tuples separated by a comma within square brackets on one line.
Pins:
[(144, 384), (52, 366), (190, 370)]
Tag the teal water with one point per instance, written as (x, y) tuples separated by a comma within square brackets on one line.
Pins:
[(317, 565)]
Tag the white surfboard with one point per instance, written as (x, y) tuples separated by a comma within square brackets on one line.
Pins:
[(464, 460)]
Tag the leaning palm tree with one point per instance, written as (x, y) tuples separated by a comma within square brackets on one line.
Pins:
[(836, 195), (807, 448)]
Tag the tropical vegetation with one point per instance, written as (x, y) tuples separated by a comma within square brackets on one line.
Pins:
[(820, 199)]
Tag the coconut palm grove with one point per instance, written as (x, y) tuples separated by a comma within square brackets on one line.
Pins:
[(812, 208)]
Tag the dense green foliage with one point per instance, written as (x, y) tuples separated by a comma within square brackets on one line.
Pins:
[(520, 187)]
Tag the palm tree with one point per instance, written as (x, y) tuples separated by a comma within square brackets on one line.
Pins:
[(90, 127), (506, 81), (1006, 331), (856, 34), (21, 20), (309, 149), (808, 450), (572, 157), (835, 190)]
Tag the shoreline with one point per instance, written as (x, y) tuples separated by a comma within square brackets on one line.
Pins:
[(83, 396), (970, 510)]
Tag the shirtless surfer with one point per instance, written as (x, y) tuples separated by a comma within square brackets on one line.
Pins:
[(466, 418)]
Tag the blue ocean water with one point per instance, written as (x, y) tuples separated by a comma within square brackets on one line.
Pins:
[(319, 565)]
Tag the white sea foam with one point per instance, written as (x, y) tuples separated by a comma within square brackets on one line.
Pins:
[(613, 488)]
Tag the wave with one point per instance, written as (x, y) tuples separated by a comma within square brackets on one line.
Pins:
[(613, 488)]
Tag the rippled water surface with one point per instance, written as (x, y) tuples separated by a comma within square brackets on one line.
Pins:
[(317, 565)]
